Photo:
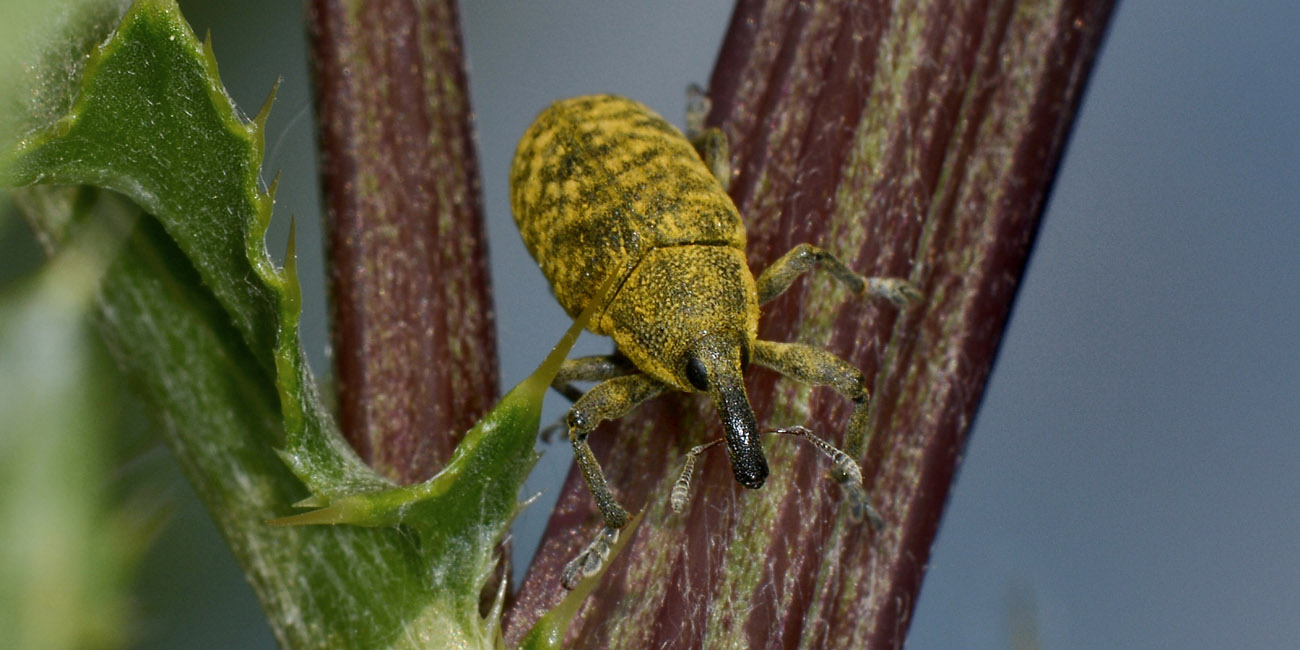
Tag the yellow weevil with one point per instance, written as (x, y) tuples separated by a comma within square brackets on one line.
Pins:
[(602, 185)]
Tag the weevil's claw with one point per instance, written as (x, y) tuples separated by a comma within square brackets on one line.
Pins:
[(590, 560), (848, 474), (568, 391), (547, 434), (895, 290), (860, 505)]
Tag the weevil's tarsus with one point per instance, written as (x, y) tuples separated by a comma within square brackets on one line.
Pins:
[(715, 151), (711, 143), (803, 258), (698, 106), (860, 505), (591, 559), (895, 290)]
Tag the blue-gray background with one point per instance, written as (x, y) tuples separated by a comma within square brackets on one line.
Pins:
[(1131, 480)]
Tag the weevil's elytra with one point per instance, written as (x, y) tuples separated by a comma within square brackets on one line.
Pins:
[(598, 181), (602, 185)]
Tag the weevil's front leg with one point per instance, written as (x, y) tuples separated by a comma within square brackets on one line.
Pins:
[(608, 400), (802, 258), (593, 368), (821, 368)]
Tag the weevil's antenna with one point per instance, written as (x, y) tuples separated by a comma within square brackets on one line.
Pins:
[(847, 473), (682, 488)]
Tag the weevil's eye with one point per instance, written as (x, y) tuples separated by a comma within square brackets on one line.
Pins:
[(695, 373)]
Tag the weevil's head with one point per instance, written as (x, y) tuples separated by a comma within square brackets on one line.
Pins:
[(715, 366), (688, 316)]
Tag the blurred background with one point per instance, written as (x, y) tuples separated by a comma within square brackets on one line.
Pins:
[(1133, 474)]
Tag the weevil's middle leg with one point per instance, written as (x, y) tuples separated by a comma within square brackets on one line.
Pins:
[(608, 400), (822, 368), (804, 257), (593, 368)]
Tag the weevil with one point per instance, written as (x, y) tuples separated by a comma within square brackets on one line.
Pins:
[(602, 185)]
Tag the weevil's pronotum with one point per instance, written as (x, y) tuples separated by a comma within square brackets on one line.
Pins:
[(602, 185)]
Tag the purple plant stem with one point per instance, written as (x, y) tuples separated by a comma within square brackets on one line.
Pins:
[(413, 326), (912, 139)]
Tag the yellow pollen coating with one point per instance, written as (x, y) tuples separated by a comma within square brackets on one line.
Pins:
[(606, 193), (597, 184)]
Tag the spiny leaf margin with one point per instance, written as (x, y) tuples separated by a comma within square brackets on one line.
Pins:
[(151, 121)]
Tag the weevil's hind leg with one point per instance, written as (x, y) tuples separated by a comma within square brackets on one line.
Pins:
[(711, 143), (593, 368), (697, 109), (608, 400), (804, 257), (822, 368)]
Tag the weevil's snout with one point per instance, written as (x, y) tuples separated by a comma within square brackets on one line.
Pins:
[(750, 470), (717, 369), (747, 460)]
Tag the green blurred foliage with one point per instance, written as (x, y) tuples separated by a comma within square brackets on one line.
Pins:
[(145, 176), (73, 522)]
